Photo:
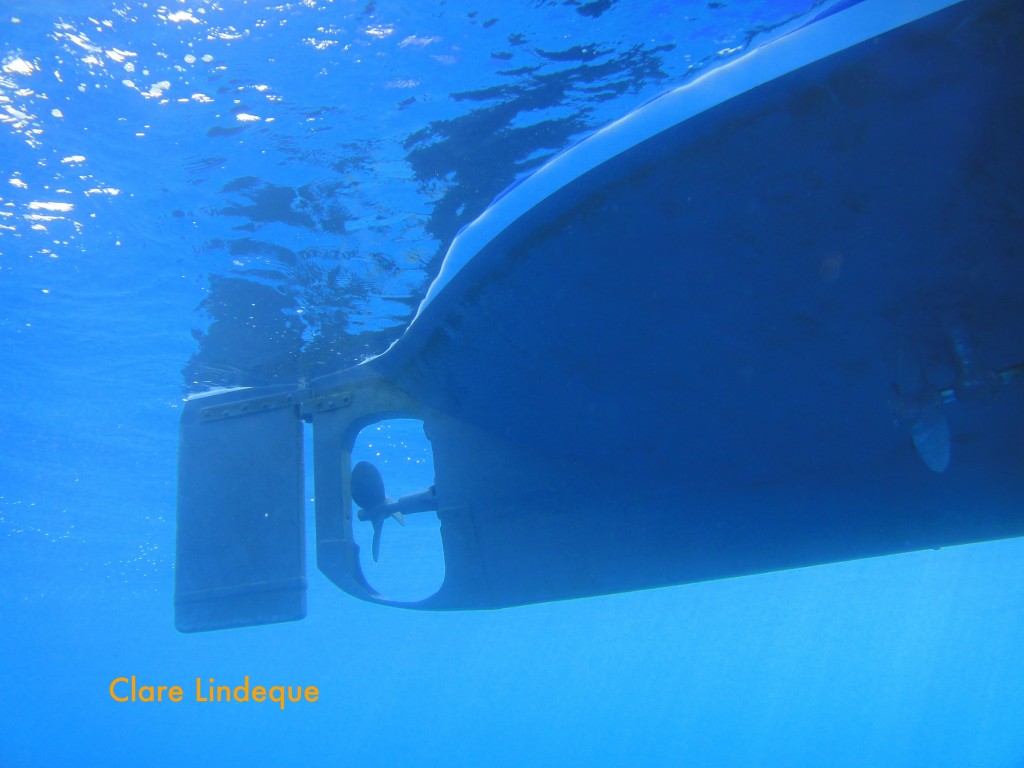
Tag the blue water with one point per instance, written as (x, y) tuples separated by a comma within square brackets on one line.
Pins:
[(200, 194)]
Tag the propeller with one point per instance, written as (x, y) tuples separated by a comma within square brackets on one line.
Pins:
[(376, 506), (921, 409)]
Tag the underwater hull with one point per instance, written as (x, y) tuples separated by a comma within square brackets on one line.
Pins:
[(680, 366), (771, 320)]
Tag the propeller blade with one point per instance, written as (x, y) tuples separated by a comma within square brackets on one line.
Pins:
[(367, 486), (932, 440)]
